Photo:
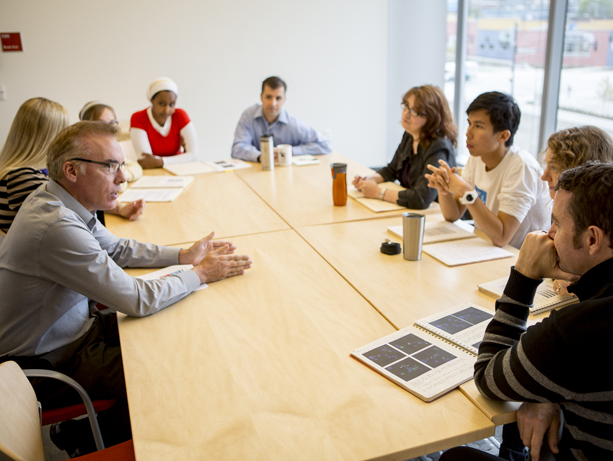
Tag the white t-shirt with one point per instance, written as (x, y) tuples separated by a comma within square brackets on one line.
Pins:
[(515, 188)]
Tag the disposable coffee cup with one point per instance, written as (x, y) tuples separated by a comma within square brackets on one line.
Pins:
[(285, 154), (413, 235)]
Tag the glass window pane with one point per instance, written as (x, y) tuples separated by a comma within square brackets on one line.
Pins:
[(505, 51), (586, 85)]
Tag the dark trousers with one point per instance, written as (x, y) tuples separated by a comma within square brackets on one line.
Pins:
[(467, 454), (94, 361)]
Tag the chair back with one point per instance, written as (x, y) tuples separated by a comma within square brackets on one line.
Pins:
[(20, 429)]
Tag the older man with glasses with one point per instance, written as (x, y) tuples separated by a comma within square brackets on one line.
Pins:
[(58, 261)]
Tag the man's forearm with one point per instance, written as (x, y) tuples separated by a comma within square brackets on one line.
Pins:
[(499, 231), (245, 152), (450, 208)]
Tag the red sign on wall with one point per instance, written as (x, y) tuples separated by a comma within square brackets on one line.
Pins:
[(11, 41)]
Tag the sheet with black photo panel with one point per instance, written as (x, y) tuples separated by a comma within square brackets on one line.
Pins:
[(464, 325), (419, 362)]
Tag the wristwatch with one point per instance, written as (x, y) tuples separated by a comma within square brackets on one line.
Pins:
[(469, 197), (382, 194)]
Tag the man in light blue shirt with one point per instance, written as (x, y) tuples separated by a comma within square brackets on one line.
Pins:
[(269, 118)]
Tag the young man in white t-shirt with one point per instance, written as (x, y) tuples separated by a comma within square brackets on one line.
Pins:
[(500, 183)]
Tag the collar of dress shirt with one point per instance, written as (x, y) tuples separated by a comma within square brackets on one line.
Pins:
[(283, 116), (89, 217), (163, 130)]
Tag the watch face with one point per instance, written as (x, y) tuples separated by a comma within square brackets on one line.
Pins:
[(470, 197)]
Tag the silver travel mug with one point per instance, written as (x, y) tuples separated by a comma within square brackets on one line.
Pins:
[(268, 153), (412, 235)]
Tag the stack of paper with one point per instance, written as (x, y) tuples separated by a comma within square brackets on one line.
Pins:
[(468, 251), (156, 189), (303, 160), (162, 182), (545, 298), (191, 168), (443, 231), (375, 204)]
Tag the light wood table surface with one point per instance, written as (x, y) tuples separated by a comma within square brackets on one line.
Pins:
[(219, 202), (405, 291), (402, 291), (497, 411), (258, 367), (302, 195)]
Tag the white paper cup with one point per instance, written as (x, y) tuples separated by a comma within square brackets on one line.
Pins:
[(285, 154)]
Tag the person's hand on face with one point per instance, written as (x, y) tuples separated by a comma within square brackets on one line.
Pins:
[(538, 258)]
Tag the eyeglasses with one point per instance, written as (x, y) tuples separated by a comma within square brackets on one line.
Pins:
[(111, 167), (412, 111), (113, 122)]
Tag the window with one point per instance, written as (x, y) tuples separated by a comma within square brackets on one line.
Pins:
[(505, 51), (586, 85)]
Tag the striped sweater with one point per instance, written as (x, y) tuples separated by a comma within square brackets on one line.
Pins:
[(14, 189), (564, 359)]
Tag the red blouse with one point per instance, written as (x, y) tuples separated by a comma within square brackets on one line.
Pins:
[(163, 146)]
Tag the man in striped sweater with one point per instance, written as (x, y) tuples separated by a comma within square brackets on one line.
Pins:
[(559, 366)]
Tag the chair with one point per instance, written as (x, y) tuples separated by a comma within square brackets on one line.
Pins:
[(20, 418)]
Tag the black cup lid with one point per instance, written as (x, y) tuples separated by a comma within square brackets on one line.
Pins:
[(390, 248)]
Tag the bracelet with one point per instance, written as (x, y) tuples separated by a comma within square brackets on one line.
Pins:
[(382, 194)]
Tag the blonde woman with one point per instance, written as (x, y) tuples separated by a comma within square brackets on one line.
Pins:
[(23, 158), (24, 155)]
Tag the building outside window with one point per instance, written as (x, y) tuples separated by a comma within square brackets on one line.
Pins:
[(586, 85)]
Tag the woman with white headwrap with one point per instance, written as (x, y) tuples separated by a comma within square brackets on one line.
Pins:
[(159, 132)]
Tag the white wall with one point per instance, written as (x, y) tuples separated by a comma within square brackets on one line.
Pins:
[(416, 55), (332, 53)]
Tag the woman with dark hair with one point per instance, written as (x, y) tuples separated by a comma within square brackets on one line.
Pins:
[(430, 135)]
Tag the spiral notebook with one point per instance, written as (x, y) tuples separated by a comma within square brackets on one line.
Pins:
[(545, 299), (443, 231), (434, 355)]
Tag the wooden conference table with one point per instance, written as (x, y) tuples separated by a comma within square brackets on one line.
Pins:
[(220, 202), (258, 366), (402, 291), (303, 195)]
